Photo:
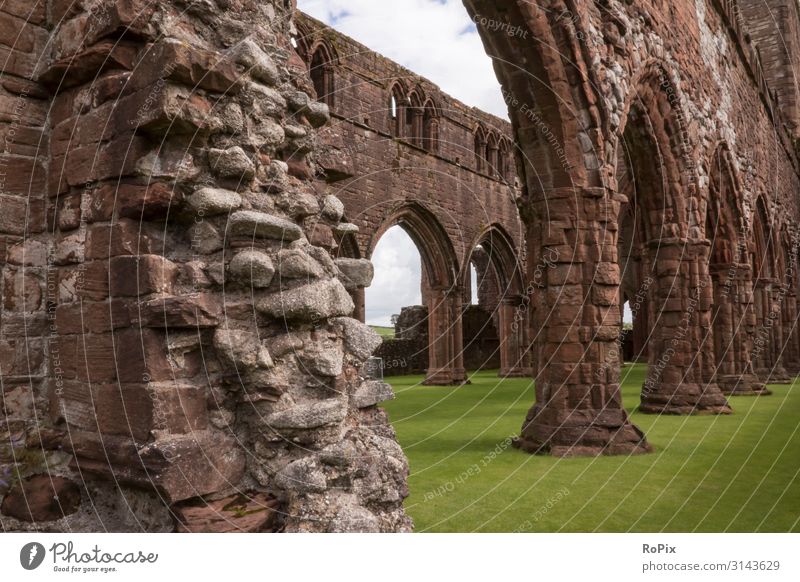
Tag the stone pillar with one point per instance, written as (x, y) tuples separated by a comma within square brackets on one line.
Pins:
[(791, 353), (512, 332), (760, 356), (768, 336), (572, 234), (732, 326), (440, 368), (778, 345), (680, 375), (456, 333)]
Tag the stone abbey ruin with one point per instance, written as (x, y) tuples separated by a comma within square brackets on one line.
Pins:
[(192, 190)]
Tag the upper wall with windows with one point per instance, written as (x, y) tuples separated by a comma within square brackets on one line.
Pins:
[(366, 88), (774, 26)]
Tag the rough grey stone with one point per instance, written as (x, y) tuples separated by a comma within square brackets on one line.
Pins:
[(344, 228), (298, 100), (355, 519), (307, 416), (372, 392), (322, 358), (315, 301), (298, 204), (332, 208), (297, 264), (260, 225), (259, 64), (232, 118), (356, 272), (242, 349), (360, 339), (205, 238), (213, 201), (302, 476), (267, 133), (265, 101), (253, 268), (231, 163), (317, 114)]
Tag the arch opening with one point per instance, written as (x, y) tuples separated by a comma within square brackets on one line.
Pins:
[(664, 270), (428, 331)]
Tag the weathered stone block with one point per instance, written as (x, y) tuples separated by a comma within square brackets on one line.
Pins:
[(252, 268), (315, 301), (134, 276), (248, 223)]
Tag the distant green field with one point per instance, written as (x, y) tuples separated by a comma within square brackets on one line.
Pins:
[(386, 332), (708, 473)]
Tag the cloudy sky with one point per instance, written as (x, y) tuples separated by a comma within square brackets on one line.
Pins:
[(397, 277), (436, 39)]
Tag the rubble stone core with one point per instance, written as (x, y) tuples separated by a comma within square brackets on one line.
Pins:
[(203, 373)]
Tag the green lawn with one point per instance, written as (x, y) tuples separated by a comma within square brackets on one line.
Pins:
[(384, 332), (738, 473)]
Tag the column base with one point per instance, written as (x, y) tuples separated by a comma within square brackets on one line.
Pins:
[(778, 375), (685, 399), (446, 377), (742, 385), (516, 373), (580, 433)]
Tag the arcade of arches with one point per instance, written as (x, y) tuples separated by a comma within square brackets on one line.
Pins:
[(625, 201), (401, 152)]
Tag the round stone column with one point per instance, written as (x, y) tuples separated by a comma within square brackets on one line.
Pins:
[(572, 235), (680, 375)]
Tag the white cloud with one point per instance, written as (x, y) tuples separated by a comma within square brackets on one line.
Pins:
[(433, 38), (397, 277)]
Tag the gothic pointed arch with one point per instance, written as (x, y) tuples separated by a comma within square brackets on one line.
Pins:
[(545, 94), (479, 149), (441, 292), (322, 64), (414, 117), (668, 262), (492, 151), (430, 126), (501, 295), (397, 108)]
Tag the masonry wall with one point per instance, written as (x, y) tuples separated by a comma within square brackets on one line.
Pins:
[(375, 173), (189, 320), (27, 289), (774, 26)]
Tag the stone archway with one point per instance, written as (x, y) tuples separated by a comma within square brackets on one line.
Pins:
[(671, 266), (509, 305), (440, 292), (767, 299), (571, 216), (732, 319)]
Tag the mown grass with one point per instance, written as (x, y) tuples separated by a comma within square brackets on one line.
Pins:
[(738, 473), (384, 332)]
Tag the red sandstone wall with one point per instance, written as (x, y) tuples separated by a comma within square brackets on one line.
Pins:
[(27, 287), (774, 25), (379, 173)]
